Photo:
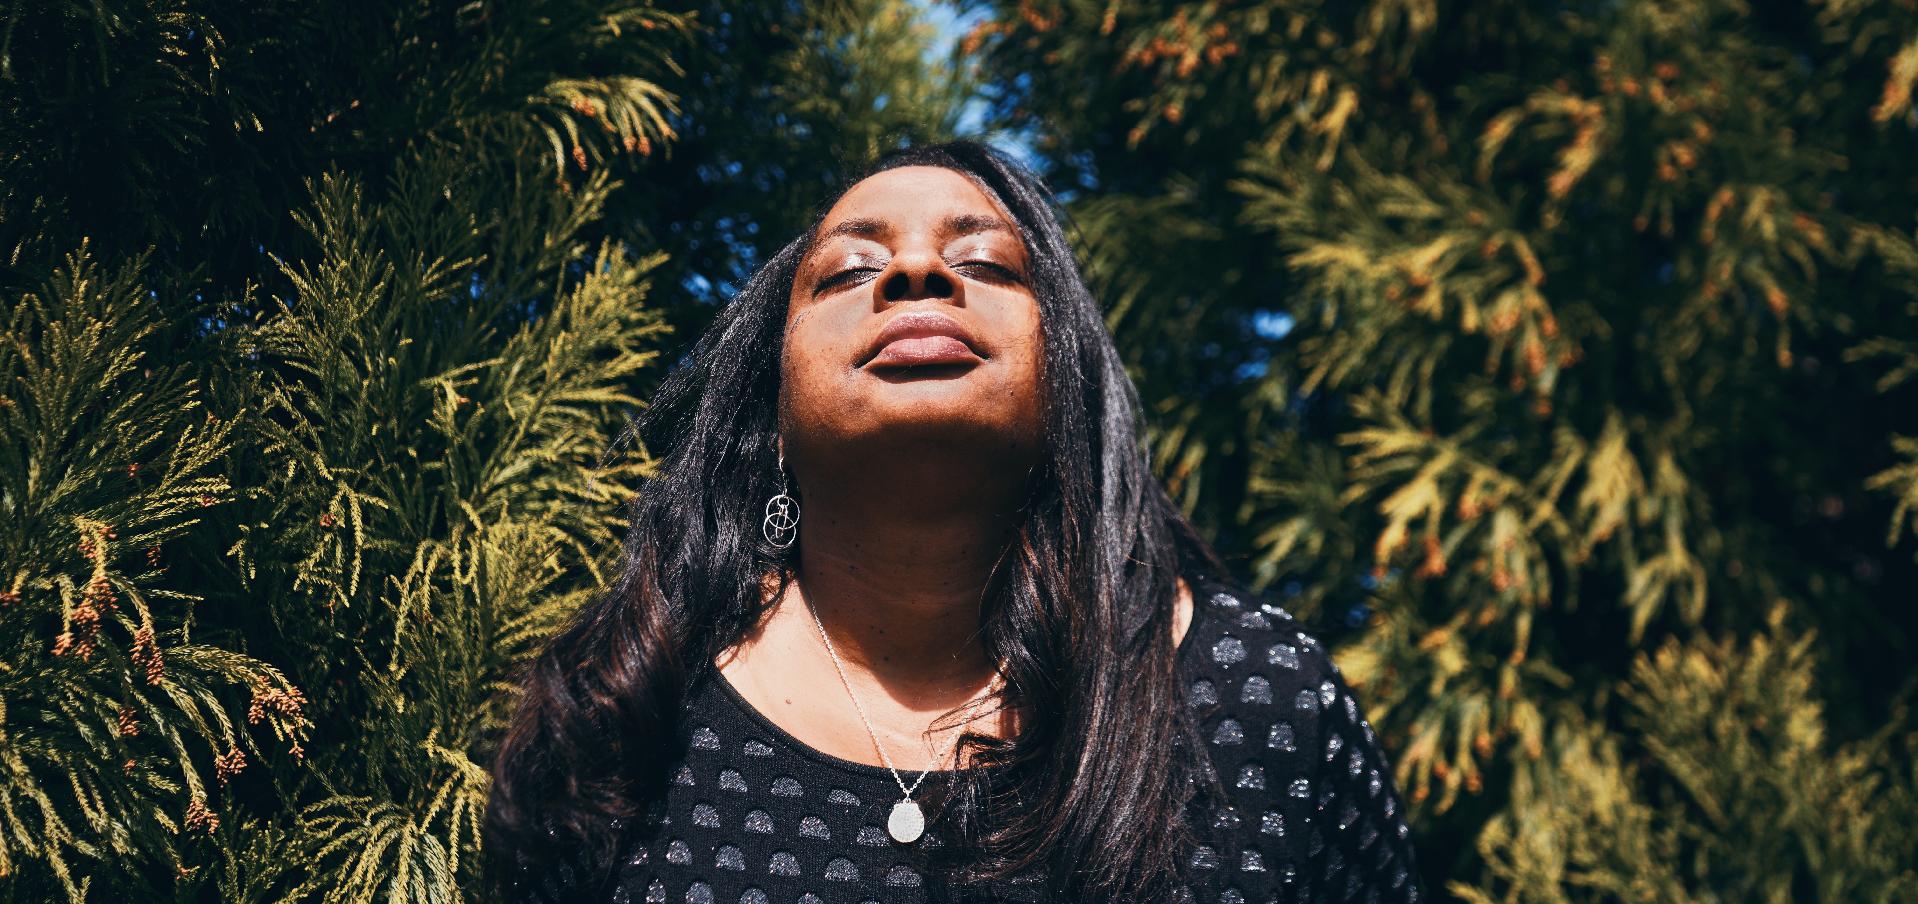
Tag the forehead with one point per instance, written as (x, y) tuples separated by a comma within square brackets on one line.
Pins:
[(913, 197)]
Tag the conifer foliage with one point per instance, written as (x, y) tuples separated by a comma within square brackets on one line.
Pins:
[(321, 323), (339, 493), (112, 708), (1564, 352)]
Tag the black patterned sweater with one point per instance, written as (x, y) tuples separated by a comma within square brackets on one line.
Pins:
[(755, 816)]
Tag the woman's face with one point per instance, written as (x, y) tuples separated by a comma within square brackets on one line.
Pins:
[(912, 325)]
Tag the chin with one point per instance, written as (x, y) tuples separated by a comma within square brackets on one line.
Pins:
[(948, 412), (922, 390)]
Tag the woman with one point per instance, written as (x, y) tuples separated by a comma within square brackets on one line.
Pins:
[(905, 615)]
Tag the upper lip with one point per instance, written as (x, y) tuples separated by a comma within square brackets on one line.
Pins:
[(915, 325)]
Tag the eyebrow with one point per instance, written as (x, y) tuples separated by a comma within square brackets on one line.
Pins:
[(954, 225)]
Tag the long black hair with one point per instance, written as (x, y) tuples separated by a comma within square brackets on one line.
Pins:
[(1091, 792)]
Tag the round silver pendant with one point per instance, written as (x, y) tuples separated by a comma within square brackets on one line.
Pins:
[(906, 823)]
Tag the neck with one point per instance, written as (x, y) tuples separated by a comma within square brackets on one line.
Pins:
[(900, 588)]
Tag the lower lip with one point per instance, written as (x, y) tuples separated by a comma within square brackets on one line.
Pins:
[(923, 350)]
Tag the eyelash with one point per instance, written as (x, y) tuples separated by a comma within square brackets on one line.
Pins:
[(1001, 272)]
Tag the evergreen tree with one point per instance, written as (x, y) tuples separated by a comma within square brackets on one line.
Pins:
[(781, 103), (321, 324), (110, 708), (1564, 353)]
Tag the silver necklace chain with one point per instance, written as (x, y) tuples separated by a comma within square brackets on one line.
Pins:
[(972, 712)]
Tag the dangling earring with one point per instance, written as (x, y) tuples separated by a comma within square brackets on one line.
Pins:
[(782, 513)]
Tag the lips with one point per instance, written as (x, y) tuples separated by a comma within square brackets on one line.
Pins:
[(921, 338)]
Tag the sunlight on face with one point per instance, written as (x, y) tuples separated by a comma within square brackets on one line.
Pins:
[(912, 320)]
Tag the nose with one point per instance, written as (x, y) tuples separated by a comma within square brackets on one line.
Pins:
[(918, 274)]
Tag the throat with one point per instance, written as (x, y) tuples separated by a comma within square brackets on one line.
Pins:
[(906, 605)]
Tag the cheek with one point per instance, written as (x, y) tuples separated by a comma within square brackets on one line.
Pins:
[(811, 366), (1030, 379), (797, 358)]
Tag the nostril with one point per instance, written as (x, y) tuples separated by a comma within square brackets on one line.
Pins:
[(933, 284), (896, 286)]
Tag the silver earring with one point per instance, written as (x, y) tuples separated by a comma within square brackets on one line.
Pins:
[(782, 514)]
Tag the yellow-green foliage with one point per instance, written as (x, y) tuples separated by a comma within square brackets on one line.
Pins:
[(474, 515), (320, 330), (110, 712), (433, 487), (1508, 341), (1742, 797)]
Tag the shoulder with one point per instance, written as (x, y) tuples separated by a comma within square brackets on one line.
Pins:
[(1298, 759), (1254, 668), (1235, 635), (1260, 684)]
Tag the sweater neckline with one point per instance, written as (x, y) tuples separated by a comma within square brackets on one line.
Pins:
[(787, 739), (1199, 583)]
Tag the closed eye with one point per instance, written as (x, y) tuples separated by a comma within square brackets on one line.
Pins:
[(990, 269), (841, 277), (998, 271)]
